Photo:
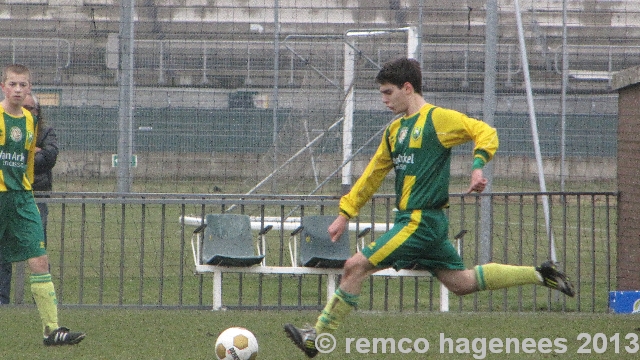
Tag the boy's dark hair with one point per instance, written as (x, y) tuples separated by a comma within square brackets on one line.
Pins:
[(400, 71)]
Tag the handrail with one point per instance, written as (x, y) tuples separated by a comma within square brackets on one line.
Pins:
[(204, 50), (28, 41)]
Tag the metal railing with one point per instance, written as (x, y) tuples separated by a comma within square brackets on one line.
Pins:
[(247, 58), (110, 249), (51, 53)]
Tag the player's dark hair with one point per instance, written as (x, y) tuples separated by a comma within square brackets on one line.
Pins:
[(400, 71), (16, 69)]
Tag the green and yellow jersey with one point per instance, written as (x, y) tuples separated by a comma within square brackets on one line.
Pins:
[(418, 148), (17, 150)]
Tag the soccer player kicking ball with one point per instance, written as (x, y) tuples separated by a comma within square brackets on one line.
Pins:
[(21, 232), (418, 147)]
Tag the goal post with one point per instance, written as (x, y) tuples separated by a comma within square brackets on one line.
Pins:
[(350, 50)]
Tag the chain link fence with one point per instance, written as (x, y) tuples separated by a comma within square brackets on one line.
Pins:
[(227, 94)]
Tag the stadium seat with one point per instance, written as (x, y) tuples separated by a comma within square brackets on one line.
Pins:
[(316, 248), (228, 241), (224, 244)]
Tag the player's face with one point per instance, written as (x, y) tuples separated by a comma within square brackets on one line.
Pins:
[(16, 87), (395, 98)]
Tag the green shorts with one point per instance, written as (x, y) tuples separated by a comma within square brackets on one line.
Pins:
[(417, 238), (21, 234)]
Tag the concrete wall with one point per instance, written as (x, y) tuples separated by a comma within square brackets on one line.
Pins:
[(627, 83)]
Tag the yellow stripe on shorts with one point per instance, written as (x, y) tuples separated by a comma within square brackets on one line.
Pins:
[(398, 239)]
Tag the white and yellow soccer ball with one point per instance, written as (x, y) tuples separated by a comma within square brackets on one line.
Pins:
[(236, 343)]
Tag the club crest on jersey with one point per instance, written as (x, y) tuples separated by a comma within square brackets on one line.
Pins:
[(416, 133), (16, 134), (402, 134)]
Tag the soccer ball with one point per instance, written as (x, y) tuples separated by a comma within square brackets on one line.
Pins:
[(236, 343)]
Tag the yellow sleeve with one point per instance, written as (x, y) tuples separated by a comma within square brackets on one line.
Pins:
[(455, 128), (32, 135), (370, 180)]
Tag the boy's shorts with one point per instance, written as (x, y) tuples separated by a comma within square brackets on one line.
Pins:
[(418, 237), (21, 233)]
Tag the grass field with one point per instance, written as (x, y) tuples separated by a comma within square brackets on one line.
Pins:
[(190, 334)]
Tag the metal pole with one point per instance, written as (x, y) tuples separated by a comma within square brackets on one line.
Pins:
[(563, 96), (420, 29), (413, 43), (534, 128), (276, 74), (349, 107), (125, 111), (488, 115)]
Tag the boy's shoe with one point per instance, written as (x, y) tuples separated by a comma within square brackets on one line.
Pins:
[(63, 336), (554, 279), (304, 338)]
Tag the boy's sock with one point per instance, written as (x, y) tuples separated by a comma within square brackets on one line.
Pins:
[(499, 276), (45, 296), (338, 307)]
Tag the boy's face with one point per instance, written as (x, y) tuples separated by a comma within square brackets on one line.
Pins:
[(395, 98), (16, 87)]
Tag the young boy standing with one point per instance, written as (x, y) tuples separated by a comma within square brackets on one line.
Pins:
[(21, 232)]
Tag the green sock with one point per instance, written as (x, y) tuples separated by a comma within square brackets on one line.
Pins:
[(338, 307), (499, 276), (45, 296)]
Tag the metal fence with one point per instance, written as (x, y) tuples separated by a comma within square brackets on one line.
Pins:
[(231, 89), (128, 250)]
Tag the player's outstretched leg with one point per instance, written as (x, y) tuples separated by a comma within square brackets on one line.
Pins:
[(63, 336), (304, 338), (554, 279)]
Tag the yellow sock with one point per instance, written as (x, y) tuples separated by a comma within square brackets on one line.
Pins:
[(45, 295), (338, 307), (499, 276)]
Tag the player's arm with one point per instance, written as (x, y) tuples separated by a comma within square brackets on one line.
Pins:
[(338, 227), (46, 157), (486, 141), (478, 181), (486, 145), (369, 182), (454, 128)]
